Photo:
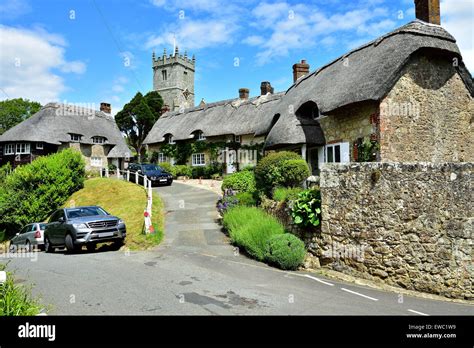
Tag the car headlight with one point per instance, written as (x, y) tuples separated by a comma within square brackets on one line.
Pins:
[(121, 222), (79, 226)]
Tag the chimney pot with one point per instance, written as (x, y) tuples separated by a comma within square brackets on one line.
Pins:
[(428, 11), (105, 107), (300, 70), (265, 88), (244, 93)]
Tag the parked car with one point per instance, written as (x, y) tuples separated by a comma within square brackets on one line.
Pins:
[(75, 227), (31, 236), (154, 173)]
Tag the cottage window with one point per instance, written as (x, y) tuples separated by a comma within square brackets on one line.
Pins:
[(170, 139), (9, 149), (199, 159), (200, 136), (75, 137), (337, 153), (22, 148), (238, 138), (161, 157), (98, 140), (39, 146), (96, 161)]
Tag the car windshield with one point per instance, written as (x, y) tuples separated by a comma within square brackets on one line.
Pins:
[(42, 226), (84, 211), (150, 167)]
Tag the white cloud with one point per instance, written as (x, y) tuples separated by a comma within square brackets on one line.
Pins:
[(28, 59), (119, 84), (457, 17), (12, 9), (253, 40)]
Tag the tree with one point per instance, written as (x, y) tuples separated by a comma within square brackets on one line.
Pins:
[(15, 111), (137, 118)]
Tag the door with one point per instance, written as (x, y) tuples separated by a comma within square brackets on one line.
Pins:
[(313, 160), (231, 159)]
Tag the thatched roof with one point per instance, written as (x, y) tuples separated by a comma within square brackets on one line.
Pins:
[(233, 116), (366, 73), (55, 123)]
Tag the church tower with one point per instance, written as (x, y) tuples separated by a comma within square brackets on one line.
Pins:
[(173, 78)]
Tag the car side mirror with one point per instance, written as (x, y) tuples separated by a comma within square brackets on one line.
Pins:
[(61, 219)]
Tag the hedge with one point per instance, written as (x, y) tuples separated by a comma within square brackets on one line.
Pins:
[(33, 191), (285, 251), (243, 181), (268, 172)]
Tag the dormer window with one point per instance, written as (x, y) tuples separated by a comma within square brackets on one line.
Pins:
[(170, 139), (75, 137), (237, 138), (98, 140), (200, 136)]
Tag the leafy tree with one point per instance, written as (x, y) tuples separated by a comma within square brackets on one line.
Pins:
[(15, 111), (138, 117)]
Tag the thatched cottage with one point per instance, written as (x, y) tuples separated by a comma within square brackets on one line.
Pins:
[(406, 96), (58, 126)]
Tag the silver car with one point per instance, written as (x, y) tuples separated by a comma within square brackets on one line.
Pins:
[(30, 237)]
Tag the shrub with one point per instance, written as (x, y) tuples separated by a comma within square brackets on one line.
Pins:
[(306, 210), (243, 181), (246, 198), (167, 167), (5, 170), (294, 172), (268, 172), (34, 190), (285, 251), (285, 194), (182, 170), (226, 202), (250, 228)]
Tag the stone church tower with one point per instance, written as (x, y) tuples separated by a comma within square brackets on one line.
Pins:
[(173, 78)]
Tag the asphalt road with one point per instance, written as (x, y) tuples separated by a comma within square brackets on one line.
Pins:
[(195, 271)]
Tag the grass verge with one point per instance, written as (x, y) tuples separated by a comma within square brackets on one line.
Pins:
[(127, 201)]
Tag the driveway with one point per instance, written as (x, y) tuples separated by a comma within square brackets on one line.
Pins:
[(196, 271)]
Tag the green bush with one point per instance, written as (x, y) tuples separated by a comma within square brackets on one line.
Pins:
[(207, 171), (250, 228), (5, 170), (294, 172), (286, 194), (243, 181), (167, 167), (306, 210), (182, 170), (285, 251), (246, 198), (268, 173), (34, 190)]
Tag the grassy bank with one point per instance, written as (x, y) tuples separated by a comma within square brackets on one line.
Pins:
[(127, 201)]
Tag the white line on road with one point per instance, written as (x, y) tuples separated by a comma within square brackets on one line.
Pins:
[(420, 313), (356, 293), (318, 280)]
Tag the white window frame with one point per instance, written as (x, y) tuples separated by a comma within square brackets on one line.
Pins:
[(200, 136), (96, 161), (75, 137), (9, 149), (344, 156), (238, 139), (198, 159), (22, 148), (170, 139), (161, 157), (39, 146), (98, 140)]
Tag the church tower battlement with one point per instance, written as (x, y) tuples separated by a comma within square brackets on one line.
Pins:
[(173, 78)]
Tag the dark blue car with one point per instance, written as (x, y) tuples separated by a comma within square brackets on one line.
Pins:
[(154, 173)]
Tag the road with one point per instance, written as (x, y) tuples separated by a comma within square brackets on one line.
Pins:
[(195, 271)]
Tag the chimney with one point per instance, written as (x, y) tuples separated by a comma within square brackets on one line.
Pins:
[(428, 11), (300, 69), (105, 107), (265, 88), (244, 93)]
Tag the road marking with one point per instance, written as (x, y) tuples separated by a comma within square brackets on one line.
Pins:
[(208, 255), (420, 313), (318, 280), (356, 293)]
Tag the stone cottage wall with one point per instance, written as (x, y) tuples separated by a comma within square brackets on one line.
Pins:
[(408, 224)]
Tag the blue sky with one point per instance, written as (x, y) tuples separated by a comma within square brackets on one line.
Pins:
[(88, 51)]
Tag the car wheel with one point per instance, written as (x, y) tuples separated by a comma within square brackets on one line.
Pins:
[(47, 245), (12, 247), (28, 246), (118, 244), (90, 247), (70, 243)]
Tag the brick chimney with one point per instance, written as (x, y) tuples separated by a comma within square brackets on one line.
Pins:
[(266, 87), (105, 107), (300, 69), (428, 11), (244, 93)]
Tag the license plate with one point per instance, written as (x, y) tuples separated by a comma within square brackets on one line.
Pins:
[(162, 180), (106, 234)]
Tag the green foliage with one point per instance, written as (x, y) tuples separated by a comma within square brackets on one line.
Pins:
[(246, 198), (167, 167), (268, 173), (243, 181), (34, 190), (306, 210), (183, 170), (285, 194), (285, 251), (5, 170), (16, 299), (367, 150), (168, 150), (294, 172), (15, 111), (250, 228), (207, 171), (137, 118)]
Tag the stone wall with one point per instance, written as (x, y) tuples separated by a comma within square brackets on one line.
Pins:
[(408, 224), (428, 115)]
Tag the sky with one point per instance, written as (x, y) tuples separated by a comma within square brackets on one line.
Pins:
[(92, 51)]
